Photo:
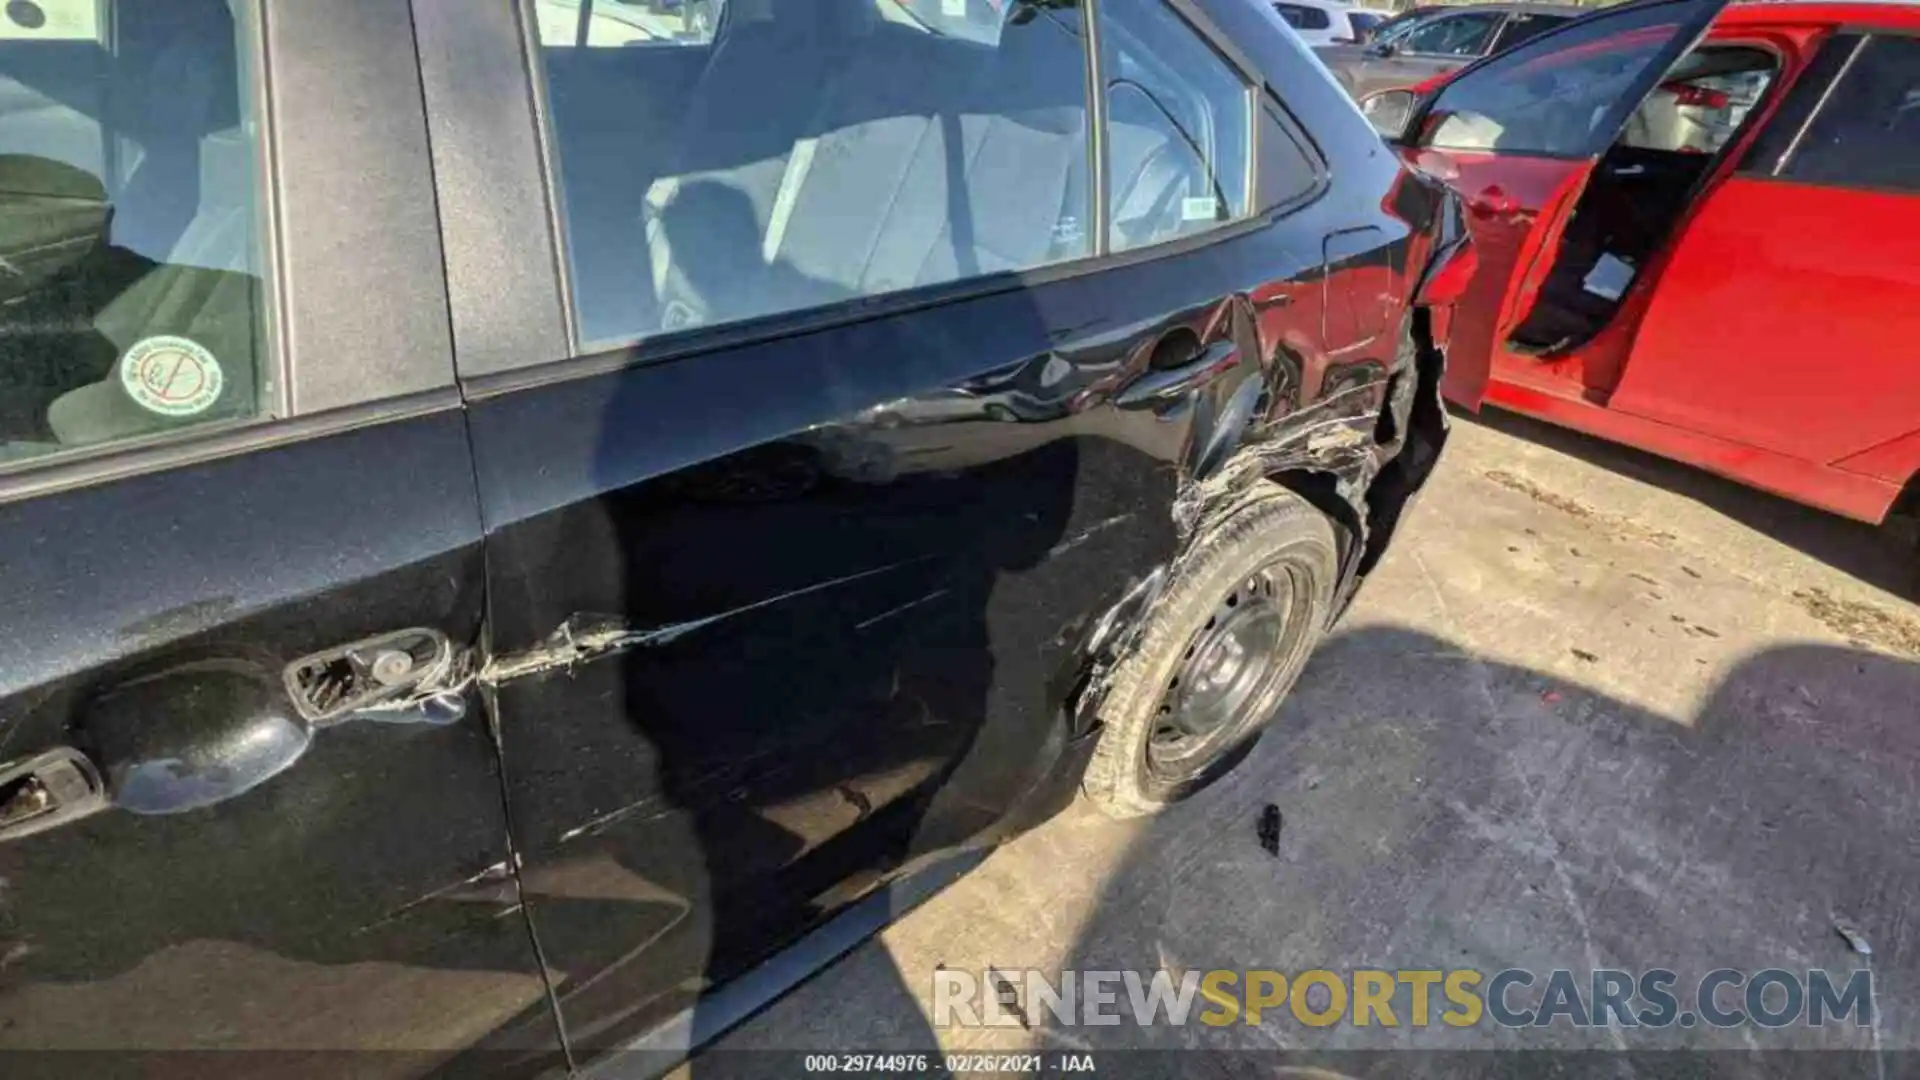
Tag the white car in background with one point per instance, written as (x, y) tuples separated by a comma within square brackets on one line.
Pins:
[(1327, 22)]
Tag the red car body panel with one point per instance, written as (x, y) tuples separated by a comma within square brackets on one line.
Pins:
[(1504, 197), (1770, 341), (1834, 387)]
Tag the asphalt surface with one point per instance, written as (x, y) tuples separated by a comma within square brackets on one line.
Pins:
[(1595, 710)]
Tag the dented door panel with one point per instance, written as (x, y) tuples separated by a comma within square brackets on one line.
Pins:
[(815, 658), (772, 623), (780, 613), (258, 880)]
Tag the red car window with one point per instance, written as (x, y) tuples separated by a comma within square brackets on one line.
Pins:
[(1553, 95), (1868, 133)]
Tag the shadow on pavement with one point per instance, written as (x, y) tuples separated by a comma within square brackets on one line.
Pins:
[(1445, 811), (1441, 810)]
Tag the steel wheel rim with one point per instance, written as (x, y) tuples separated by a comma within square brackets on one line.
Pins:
[(1232, 665)]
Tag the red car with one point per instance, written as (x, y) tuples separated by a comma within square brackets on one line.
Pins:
[(1698, 228)]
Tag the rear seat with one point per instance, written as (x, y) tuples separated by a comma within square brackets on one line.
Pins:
[(756, 100), (923, 158)]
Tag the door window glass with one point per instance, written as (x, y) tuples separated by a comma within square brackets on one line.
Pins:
[(1524, 27), (130, 296), (1304, 18), (1179, 121), (810, 152), (1868, 133), (1555, 94), (1700, 105), (604, 24), (1456, 35), (1398, 27)]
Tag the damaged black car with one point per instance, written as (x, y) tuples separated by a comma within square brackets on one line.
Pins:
[(530, 525)]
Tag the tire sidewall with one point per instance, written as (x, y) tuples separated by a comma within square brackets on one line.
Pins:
[(1281, 529)]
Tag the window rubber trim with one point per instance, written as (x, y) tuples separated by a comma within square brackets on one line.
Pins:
[(546, 140), (1102, 194), (125, 459), (690, 345)]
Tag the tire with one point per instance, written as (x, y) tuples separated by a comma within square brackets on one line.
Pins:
[(1162, 743)]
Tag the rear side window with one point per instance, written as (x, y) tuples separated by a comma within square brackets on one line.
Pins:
[(1868, 132), (1287, 171), (1304, 18), (1452, 35), (1179, 127), (772, 157), (130, 262)]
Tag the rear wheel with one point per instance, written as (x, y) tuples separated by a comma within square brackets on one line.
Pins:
[(1219, 652)]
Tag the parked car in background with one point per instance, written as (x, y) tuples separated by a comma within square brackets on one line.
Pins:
[(1328, 22), (1399, 20), (1444, 40), (474, 475), (1703, 250)]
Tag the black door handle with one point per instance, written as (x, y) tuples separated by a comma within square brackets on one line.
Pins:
[(48, 790), (1163, 386)]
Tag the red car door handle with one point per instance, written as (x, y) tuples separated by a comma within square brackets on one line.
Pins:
[(1494, 202)]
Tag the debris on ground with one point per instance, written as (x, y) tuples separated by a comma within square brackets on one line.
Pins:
[(1539, 494), (1691, 572), (1270, 822), (1855, 940), (1618, 525), (1006, 993), (1855, 620), (1584, 656)]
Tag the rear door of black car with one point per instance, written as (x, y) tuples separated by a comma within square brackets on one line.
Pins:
[(824, 411), (247, 803)]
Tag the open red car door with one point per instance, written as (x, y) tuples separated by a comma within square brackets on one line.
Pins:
[(1518, 136)]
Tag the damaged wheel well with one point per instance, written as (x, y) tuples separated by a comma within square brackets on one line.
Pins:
[(1322, 489), (1386, 498), (1426, 434), (1341, 457)]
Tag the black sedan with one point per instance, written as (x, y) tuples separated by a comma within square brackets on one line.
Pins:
[(528, 526)]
